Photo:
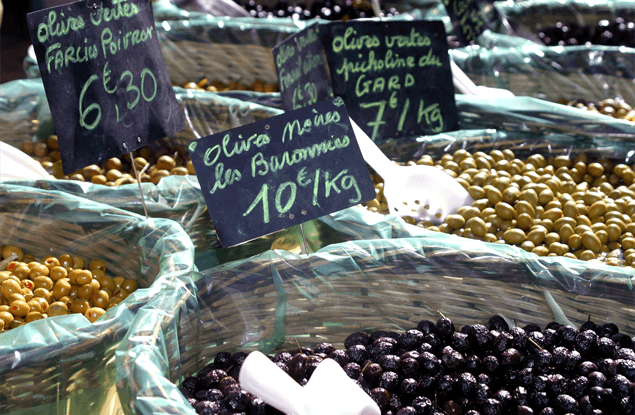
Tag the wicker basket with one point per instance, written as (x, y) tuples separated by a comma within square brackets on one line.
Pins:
[(222, 49), (270, 301), (50, 365), (539, 14), (593, 73)]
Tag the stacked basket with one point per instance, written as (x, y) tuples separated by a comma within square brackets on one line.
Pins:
[(66, 362), (272, 300)]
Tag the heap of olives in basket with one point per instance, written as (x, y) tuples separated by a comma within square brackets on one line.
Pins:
[(328, 10), (616, 108), (434, 369), (67, 284), (617, 33), (151, 165), (574, 207)]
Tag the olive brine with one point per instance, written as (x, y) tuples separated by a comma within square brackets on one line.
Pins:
[(434, 369)]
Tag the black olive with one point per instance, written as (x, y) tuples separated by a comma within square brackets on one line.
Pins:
[(357, 353), (357, 338), (325, 348)]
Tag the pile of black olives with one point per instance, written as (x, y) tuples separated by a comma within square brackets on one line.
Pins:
[(433, 369), (328, 10), (616, 33)]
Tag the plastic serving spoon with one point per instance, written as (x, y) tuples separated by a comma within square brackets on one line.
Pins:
[(15, 164), (423, 192), (329, 391), (464, 84)]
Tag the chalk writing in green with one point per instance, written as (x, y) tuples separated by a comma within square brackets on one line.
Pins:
[(295, 62), (305, 126), (58, 26), (134, 93), (386, 65), (107, 14), (468, 16), (325, 184)]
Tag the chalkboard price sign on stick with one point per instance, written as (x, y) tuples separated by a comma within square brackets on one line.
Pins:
[(394, 76), (279, 172), (104, 77), (468, 19), (302, 69)]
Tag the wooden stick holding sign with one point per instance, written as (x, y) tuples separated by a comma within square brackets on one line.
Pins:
[(137, 175), (105, 79)]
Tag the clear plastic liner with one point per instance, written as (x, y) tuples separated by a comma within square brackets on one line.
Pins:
[(214, 7), (269, 301), (25, 114), (198, 46), (64, 364), (179, 198), (223, 49), (207, 113), (530, 117), (24, 111), (523, 124), (592, 73), (530, 16)]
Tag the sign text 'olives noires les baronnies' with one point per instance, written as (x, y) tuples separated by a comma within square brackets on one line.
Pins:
[(394, 76), (282, 171), (104, 77)]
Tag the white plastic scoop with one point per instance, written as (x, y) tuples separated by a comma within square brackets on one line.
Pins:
[(423, 192), (15, 164), (329, 391), (464, 84)]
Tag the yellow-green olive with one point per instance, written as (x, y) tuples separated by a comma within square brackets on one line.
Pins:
[(514, 236), (591, 241)]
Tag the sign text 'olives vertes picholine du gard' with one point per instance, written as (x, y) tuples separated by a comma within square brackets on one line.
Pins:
[(302, 69), (469, 20), (394, 76), (104, 77), (279, 172)]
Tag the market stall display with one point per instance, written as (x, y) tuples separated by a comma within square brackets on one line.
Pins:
[(64, 361), (528, 125), (272, 300)]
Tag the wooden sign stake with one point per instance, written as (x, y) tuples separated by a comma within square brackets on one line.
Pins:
[(143, 202), (306, 245)]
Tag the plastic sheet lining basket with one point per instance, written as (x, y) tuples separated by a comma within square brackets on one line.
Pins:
[(66, 363), (539, 14), (222, 49), (199, 46), (178, 198), (592, 73), (269, 301)]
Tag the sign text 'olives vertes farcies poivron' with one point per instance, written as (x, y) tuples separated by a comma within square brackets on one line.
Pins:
[(302, 69), (279, 172), (104, 77), (394, 76)]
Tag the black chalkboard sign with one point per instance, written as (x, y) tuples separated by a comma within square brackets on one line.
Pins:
[(302, 69), (104, 77), (394, 76), (279, 172), (468, 19)]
